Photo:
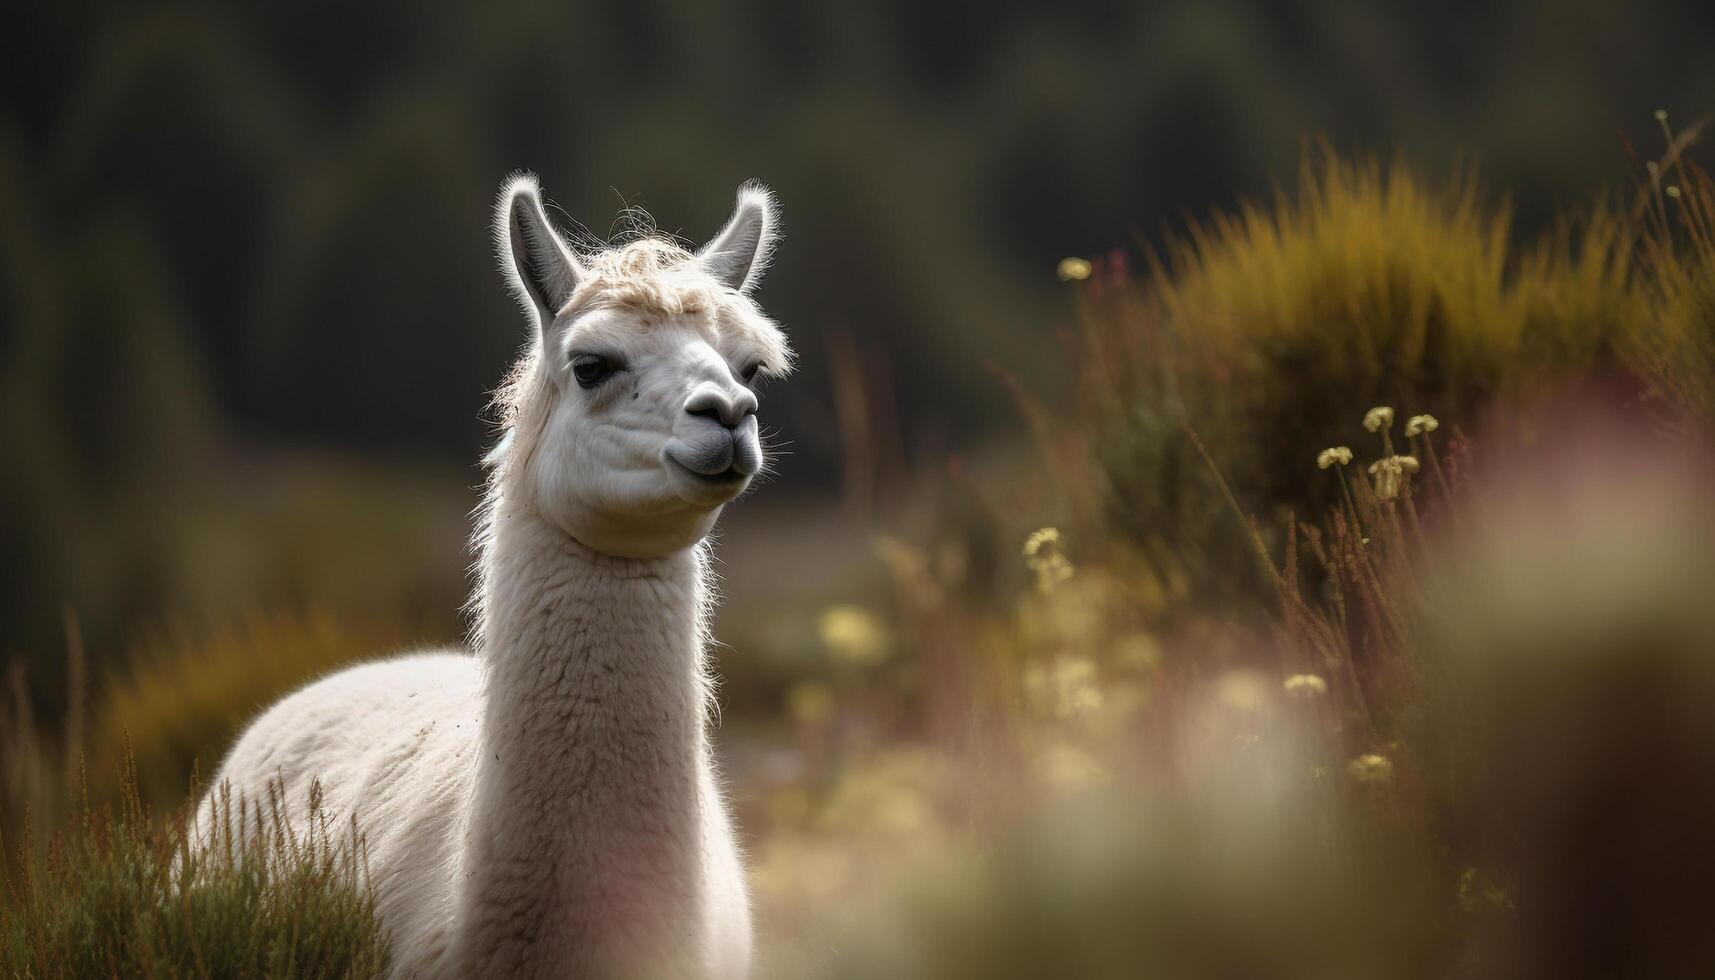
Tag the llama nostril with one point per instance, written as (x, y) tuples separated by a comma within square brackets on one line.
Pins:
[(716, 407), (708, 411), (743, 407)]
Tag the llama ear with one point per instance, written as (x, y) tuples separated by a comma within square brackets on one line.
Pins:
[(540, 269), (739, 254)]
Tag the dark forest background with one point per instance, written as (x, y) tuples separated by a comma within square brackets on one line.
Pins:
[(249, 312)]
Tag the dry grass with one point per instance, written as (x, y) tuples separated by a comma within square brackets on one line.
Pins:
[(1449, 726), (1676, 208), (1262, 328), (125, 894), (1436, 708), (1478, 697), (187, 693)]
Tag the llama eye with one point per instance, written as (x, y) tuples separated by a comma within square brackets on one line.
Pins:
[(749, 374), (592, 369)]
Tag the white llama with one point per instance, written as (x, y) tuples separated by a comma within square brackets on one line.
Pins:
[(549, 806)]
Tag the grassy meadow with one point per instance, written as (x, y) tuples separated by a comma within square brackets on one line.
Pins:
[(1346, 615)]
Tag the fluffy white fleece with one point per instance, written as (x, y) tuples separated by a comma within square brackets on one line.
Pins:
[(547, 805)]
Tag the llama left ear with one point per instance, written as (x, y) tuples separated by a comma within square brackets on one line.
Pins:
[(739, 254), (535, 261)]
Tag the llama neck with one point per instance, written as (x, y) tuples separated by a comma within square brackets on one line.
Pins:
[(584, 842)]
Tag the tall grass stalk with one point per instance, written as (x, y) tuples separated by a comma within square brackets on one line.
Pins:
[(257, 891)]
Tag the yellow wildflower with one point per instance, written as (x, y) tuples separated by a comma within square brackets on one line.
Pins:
[(1073, 270), (1067, 768), (1474, 885), (1333, 454), (1242, 689), (911, 570), (811, 704), (1065, 688), (1305, 686), (1421, 425), (854, 634), (1138, 652), (1378, 418), (1370, 768)]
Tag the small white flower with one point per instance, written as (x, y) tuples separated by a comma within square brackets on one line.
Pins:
[(1390, 475), (1305, 686), (1040, 539), (1045, 556), (1334, 454), (1421, 424), (1378, 418)]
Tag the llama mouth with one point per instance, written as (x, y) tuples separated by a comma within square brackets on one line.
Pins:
[(726, 481)]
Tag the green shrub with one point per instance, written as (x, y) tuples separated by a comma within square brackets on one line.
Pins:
[(188, 693), (1677, 208), (124, 895), (1263, 328)]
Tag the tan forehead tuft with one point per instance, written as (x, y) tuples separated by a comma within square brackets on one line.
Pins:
[(652, 275)]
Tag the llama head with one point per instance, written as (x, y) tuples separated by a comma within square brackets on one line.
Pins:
[(631, 419)]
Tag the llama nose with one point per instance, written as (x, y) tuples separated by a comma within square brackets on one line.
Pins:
[(730, 409)]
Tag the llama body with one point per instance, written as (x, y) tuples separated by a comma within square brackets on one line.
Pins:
[(548, 805)]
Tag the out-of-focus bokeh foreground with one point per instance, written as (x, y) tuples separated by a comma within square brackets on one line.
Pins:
[(1199, 548)]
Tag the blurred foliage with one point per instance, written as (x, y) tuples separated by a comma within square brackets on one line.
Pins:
[(186, 696), (1566, 744), (284, 531), (224, 228), (167, 715), (1367, 287), (1470, 743), (1676, 206), (1113, 884), (1456, 733)]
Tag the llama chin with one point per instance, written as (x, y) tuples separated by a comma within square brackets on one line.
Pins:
[(547, 804)]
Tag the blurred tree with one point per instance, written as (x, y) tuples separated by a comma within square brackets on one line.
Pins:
[(265, 164)]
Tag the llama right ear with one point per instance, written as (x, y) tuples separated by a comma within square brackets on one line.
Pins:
[(739, 254), (540, 269)]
